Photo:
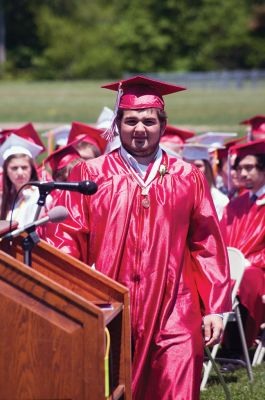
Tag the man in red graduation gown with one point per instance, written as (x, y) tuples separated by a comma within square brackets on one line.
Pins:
[(244, 226), (152, 227)]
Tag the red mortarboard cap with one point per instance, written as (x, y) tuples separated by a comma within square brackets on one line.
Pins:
[(256, 123), (4, 133), (88, 134), (63, 156), (173, 134), (141, 92), (223, 152), (250, 148), (29, 133), (138, 93)]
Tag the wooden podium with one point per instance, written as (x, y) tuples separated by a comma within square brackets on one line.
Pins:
[(53, 320)]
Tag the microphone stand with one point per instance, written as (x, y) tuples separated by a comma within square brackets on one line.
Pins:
[(28, 243), (32, 239), (41, 201)]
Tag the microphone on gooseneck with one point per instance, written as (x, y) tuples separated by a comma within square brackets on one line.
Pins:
[(84, 187), (56, 214)]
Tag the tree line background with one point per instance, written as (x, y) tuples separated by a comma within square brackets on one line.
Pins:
[(88, 39)]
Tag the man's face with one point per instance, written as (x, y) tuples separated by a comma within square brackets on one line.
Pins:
[(140, 132), (248, 174)]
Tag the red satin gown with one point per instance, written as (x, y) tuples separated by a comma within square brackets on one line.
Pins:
[(244, 228), (170, 255)]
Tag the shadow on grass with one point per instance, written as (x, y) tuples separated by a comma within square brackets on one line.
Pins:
[(228, 378)]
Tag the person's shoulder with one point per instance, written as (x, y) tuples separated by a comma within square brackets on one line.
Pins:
[(98, 162), (239, 201), (104, 165)]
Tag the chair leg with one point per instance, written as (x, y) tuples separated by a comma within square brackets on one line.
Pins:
[(221, 379), (244, 344), (261, 355), (214, 351), (257, 354), (208, 367), (260, 351)]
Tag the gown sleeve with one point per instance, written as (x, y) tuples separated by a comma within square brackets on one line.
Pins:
[(72, 235), (208, 252)]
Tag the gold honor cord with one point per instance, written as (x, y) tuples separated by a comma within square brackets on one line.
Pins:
[(106, 363)]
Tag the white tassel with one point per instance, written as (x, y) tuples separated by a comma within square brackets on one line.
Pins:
[(109, 133)]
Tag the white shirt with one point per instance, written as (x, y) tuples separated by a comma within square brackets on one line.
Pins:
[(220, 200), (26, 207), (139, 168)]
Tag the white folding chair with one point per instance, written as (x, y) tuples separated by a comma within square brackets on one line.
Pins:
[(237, 266), (260, 350)]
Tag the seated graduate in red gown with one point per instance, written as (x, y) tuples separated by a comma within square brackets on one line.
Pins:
[(83, 142), (244, 228), (60, 163), (226, 178), (152, 227)]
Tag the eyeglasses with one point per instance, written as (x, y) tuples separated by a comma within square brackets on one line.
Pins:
[(247, 167)]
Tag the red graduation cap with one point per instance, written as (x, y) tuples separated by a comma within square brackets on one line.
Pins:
[(257, 124), (223, 152), (141, 92), (87, 133), (63, 156), (249, 148), (4, 133), (27, 132), (138, 93), (176, 135)]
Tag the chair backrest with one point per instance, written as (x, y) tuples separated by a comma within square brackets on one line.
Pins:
[(237, 264)]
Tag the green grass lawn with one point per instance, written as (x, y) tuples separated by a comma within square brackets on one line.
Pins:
[(64, 102), (238, 384)]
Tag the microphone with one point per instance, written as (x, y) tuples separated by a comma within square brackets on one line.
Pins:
[(84, 187), (56, 214)]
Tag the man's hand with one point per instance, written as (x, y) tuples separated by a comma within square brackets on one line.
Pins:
[(213, 329)]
